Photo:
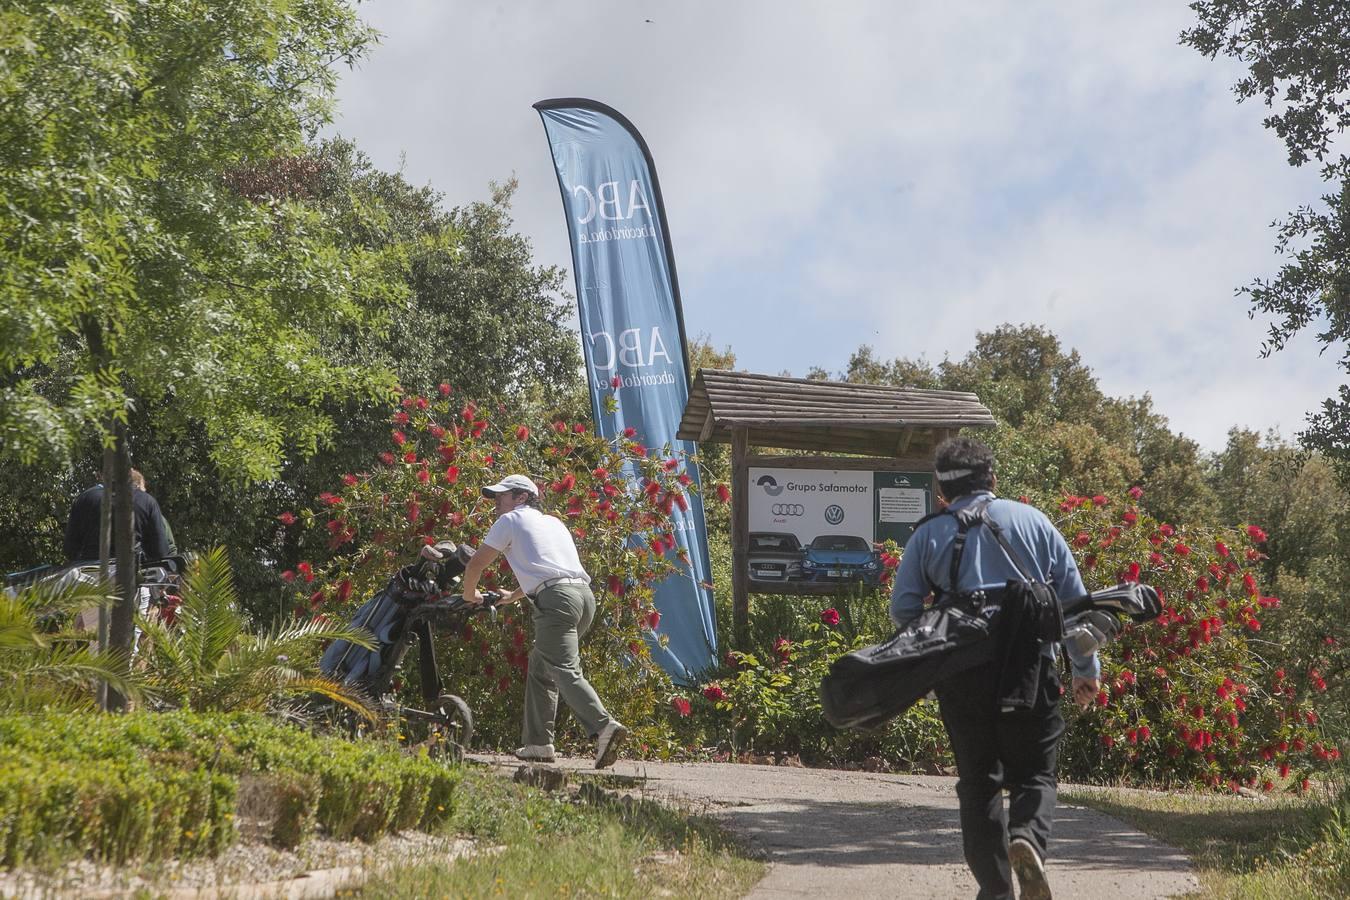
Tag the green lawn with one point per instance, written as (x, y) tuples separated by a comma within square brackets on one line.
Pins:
[(1280, 847), (551, 845)]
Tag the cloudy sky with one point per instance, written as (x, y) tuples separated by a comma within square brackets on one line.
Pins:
[(897, 174)]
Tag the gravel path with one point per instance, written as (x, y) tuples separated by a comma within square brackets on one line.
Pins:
[(855, 834)]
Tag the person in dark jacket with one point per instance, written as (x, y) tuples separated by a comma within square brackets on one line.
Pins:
[(997, 746), (81, 543)]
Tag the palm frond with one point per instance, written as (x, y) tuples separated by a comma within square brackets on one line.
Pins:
[(209, 619), (27, 615)]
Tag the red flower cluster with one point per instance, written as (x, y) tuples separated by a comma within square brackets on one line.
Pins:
[(830, 616)]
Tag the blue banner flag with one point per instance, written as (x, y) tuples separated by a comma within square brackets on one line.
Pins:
[(632, 332)]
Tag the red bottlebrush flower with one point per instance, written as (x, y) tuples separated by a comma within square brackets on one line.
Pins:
[(1284, 770), (1129, 517), (723, 493), (681, 706), (437, 432), (657, 545), (1181, 550), (451, 474), (288, 576), (444, 389), (423, 475), (1132, 573), (328, 498), (316, 598), (349, 480), (344, 590), (630, 432), (1167, 530), (1102, 698), (714, 693), (1155, 559), (1099, 500), (1202, 584), (286, 518), (1108, 741), (616, 382), (1221, 548), (684, 479), (522, 433), (423, 403), (478, 428), (653, 619), (670, 465), (414, 512), (1082, 539), (1135, 492), (467, 412), (1144, 732), (410, 456), (1090, 561), (600, 472), (830, 616), (579, 428), (615, 585), (639, 451), (1256, 534), (1249, 582), (398, 437), (400, 418), (306, 570), (682, 502)]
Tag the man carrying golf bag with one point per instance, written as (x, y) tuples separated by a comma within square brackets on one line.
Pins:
[(1002, 717)]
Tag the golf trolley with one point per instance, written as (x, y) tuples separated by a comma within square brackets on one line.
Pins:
[(415, 601)]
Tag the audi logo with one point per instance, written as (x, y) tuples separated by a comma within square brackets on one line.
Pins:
[(788, 509)]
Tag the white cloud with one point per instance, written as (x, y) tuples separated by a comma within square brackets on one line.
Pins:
[(899, 175)]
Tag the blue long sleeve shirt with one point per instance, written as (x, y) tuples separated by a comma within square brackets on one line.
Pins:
[(928, 554)]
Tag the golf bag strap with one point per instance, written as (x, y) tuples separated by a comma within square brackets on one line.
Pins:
[(977, 513)]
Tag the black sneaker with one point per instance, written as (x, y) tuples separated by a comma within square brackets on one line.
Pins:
[(1026, 862)]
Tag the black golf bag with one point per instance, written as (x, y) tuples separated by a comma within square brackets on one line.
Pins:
[(415, 600), (867, 688)]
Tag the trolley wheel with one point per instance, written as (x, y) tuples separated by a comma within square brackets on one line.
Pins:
[(456, 722)]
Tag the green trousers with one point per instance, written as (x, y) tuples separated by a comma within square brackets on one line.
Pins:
[(563, 614)]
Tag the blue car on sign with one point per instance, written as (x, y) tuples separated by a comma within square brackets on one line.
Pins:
[(840, 558)]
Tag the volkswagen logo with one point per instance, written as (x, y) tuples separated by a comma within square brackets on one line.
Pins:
[(770, 485), (788, 509), (834, 514)]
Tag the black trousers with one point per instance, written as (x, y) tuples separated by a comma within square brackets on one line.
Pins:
[(995, 750)]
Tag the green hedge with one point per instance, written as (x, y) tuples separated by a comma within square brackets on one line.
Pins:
[(152, 786)]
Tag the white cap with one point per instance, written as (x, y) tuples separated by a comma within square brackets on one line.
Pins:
[(512, 483)]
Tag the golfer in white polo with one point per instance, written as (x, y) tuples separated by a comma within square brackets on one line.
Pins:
[(544, 559)]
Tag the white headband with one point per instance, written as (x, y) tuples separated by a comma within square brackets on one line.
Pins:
[(954, 474)]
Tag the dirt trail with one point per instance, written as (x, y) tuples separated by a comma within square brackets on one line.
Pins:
[(856, 834)]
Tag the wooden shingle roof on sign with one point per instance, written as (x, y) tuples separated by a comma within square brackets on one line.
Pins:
[(825, 416)]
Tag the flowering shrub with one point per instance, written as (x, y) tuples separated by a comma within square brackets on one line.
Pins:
[(772, 705), (425, 487), (1188, 698)]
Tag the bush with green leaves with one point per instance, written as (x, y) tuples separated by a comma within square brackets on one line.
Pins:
[(207, 660), (427, 484), (45, 663), (159, 785), (1189, 698)]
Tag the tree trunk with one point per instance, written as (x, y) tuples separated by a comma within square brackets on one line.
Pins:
[(105, 518), (121, 627)]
